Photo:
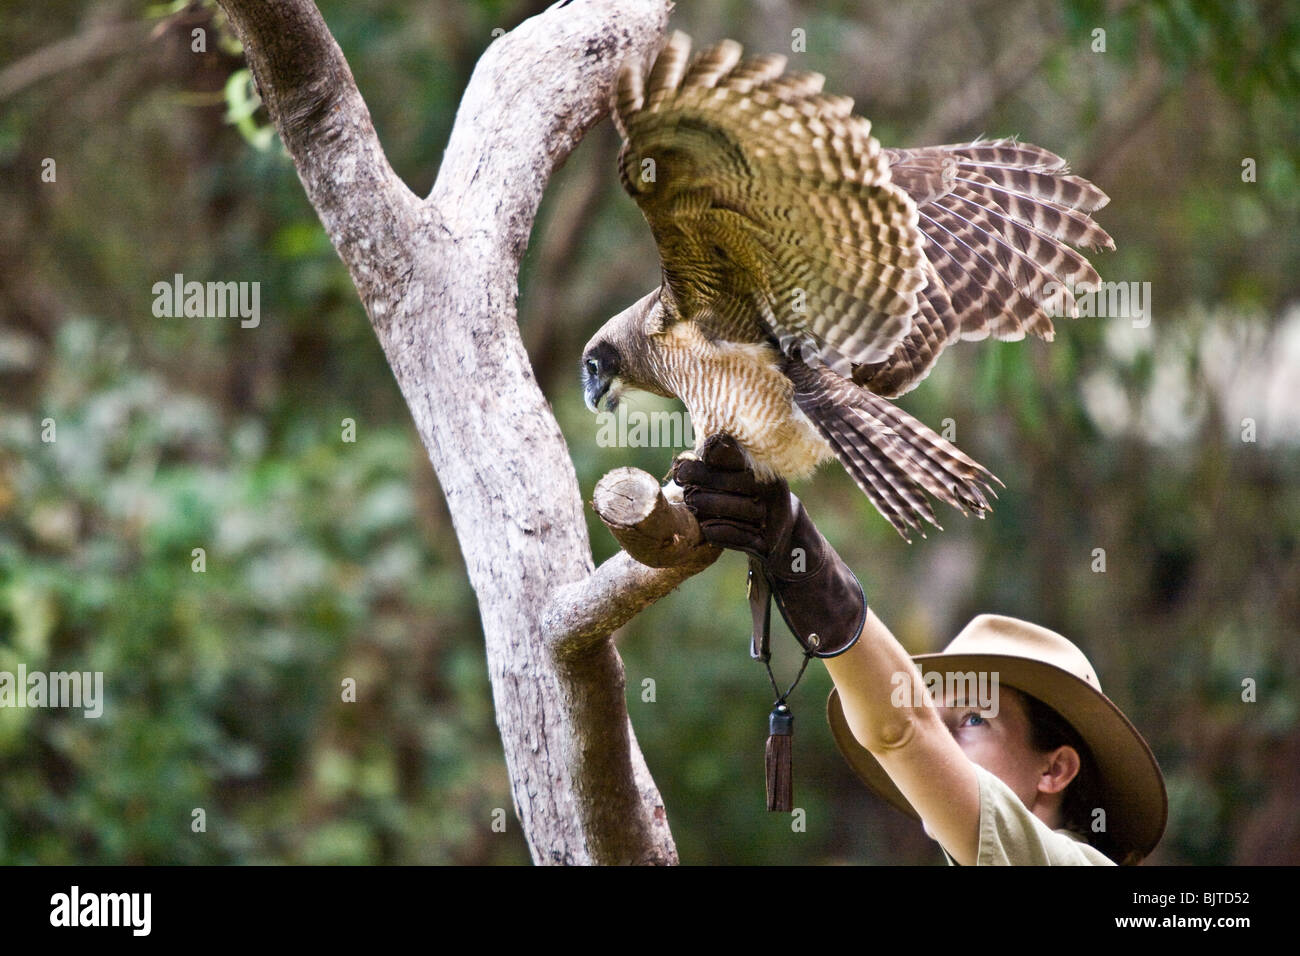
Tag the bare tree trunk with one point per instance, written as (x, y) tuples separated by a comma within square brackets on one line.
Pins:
[(439, 278)]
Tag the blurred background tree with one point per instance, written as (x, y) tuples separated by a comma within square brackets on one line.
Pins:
[(1173, 447)]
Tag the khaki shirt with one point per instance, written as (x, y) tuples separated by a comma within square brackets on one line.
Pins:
[(1010, 835)]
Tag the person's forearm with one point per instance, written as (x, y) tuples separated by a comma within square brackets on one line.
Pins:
[(891, 714), (871, 676)]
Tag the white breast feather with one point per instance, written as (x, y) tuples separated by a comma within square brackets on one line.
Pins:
[(738, 388)]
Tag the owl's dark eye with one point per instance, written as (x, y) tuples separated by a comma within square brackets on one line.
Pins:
[(593, 366)]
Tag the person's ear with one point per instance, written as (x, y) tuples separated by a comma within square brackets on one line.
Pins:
[(1062, 767)]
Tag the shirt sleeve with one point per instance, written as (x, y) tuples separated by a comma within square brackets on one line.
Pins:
[(1010, 835)]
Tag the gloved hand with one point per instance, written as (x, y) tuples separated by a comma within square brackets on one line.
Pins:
[(820, 598)]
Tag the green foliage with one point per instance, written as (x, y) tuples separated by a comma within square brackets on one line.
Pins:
[(223, 686), (242, 103)]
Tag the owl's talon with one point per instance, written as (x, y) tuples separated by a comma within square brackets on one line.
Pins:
[(674, 493), (687, 455)]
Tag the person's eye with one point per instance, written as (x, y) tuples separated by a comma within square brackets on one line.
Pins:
[(973, 719)]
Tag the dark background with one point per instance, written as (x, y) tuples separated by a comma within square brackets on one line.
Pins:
[(328, 560)]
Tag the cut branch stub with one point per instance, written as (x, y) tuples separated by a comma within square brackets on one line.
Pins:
[(662, 547), (654, 531)]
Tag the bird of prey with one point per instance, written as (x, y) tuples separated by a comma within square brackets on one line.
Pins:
[(809, 274)]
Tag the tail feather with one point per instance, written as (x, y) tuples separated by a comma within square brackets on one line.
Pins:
[(892, 457), (942, 469), (885, 483)]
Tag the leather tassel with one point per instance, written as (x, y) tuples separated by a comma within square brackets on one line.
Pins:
[(780, 741)]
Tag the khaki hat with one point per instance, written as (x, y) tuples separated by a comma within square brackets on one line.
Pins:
[(1045, 665)]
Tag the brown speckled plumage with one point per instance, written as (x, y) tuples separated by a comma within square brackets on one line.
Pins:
[(808, 273)]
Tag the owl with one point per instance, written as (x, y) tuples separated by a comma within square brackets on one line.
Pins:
[(810, 275)]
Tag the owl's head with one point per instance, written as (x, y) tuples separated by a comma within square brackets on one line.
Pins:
[(618, 357)]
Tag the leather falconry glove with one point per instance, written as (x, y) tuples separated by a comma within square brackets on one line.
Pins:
[(820, 599)]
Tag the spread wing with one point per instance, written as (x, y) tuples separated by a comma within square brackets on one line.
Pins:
[(996, 217), (771, 205)]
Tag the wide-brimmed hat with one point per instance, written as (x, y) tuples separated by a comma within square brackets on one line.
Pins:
[(1045, 665)]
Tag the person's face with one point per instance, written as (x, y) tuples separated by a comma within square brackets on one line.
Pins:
[(1001, 745)]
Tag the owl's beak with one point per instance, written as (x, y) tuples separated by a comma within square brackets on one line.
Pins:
[(596, 387)]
